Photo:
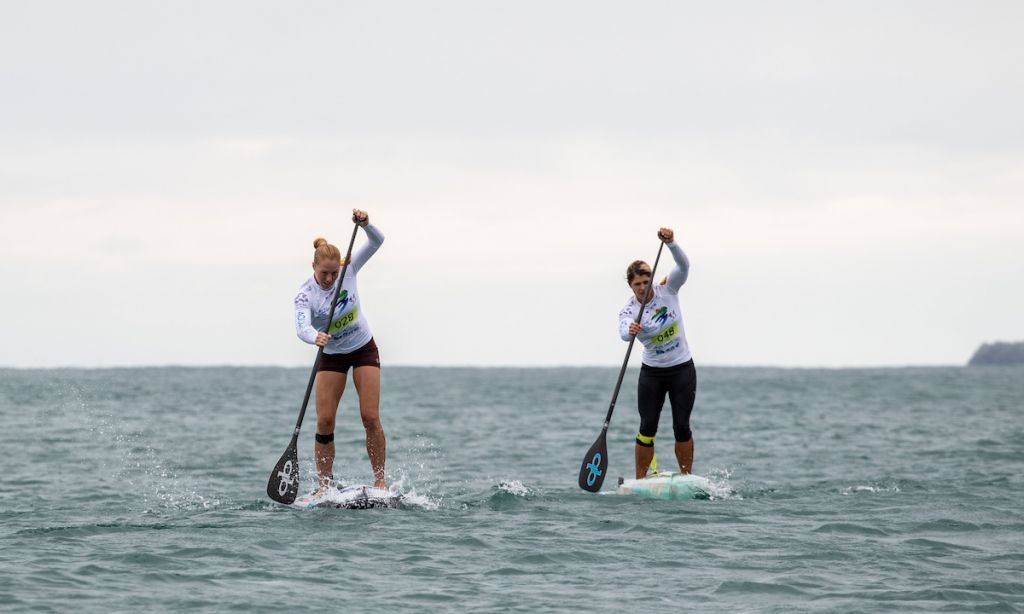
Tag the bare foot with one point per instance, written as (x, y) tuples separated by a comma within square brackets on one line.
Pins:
[(380, 484), (325, 486)]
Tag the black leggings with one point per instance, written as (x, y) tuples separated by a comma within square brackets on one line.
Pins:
[(680, 383)]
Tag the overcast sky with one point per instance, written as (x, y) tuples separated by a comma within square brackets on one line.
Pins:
[(847, 178)]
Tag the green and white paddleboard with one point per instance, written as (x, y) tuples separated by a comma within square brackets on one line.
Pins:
[(667, 485)]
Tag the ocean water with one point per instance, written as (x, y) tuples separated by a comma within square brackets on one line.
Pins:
[(889, 490)]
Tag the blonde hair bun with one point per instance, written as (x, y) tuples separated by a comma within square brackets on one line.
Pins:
[(324, 251)]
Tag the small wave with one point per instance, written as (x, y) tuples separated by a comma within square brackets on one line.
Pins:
[(89, 530), (758, 588), (414, 499), (850, 528), (946, 525), (852, 490), (509, 494), (937, 547), (514, 487)]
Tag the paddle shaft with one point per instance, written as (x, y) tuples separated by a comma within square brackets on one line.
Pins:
[(330, 318), (283, 485), (629, 349), (595, 463)]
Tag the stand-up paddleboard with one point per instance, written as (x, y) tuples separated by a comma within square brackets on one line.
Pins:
[(667, 485), (351, 497)]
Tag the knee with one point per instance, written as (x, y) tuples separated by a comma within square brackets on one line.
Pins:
[(682, 433), (324, 425), (371, 423), (646, 441), (648, 426)]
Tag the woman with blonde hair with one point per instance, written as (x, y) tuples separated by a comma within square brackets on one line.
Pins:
[(347, 344)]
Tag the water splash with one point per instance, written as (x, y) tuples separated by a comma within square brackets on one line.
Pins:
[(414, 499), (400, 478), (513, 487), (148, 479), (411, 498), (721, 487)]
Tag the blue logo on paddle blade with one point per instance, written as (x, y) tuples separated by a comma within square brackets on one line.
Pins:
[(595, 471)]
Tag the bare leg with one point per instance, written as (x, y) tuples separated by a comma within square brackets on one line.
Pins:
[(367, 380), (684, 454), (644, 455), (329, 387)]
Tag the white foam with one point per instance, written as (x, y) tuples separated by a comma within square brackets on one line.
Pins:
[(721, 488), (513, 487), (414, 499), (872, 489)]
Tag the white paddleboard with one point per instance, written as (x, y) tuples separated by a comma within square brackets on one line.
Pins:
[(357, 497), (667, 485)]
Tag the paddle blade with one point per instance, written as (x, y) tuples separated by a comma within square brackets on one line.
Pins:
[(595, 465), (283, 485)]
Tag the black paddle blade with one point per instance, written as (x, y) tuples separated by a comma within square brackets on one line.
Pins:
[(595, 465), (283, 485)]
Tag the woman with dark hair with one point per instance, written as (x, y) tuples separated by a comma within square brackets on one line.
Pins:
[(667, 367)]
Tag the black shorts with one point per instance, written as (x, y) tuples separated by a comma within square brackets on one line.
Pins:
[(680, 384), (365, 356)]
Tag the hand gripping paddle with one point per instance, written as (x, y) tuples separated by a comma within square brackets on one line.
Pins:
[(283, 485), (595, 463)]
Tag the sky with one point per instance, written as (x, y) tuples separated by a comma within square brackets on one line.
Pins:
[(847, 178)]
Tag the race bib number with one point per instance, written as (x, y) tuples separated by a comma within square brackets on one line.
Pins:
[(666, 334), (344, 320)]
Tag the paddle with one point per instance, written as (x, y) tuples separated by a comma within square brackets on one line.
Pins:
[(595, 463), (283, 485)]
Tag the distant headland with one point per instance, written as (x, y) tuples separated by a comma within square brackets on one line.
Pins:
[(999, 353)]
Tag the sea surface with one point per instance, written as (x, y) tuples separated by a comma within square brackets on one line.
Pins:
[(869, 490)]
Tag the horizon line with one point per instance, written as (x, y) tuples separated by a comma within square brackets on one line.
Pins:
[(478, 366)]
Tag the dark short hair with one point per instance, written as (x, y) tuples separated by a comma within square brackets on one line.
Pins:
[(635, 268)]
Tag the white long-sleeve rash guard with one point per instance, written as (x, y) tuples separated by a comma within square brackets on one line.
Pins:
[(662, 331), (349, 331)]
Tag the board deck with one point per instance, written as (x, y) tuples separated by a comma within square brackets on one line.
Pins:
[(351, 497), (667, 485)]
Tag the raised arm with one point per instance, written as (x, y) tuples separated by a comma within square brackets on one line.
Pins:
[(677, 276), (374, 240)]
